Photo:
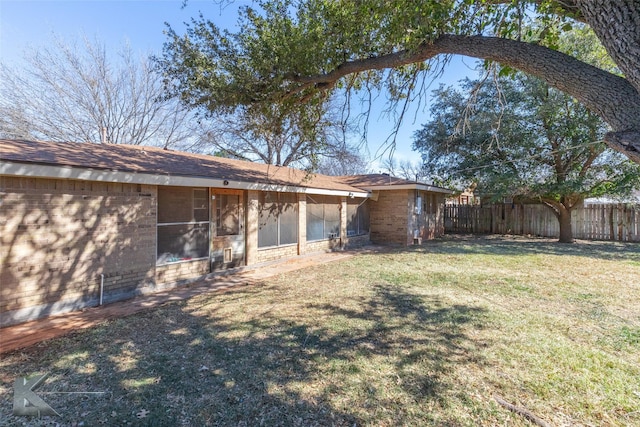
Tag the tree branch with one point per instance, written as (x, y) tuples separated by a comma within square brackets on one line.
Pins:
[(521, 411), (625, 142), (600, 91)]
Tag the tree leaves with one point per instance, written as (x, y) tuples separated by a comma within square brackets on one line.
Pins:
[(518, 137), (293, 52)]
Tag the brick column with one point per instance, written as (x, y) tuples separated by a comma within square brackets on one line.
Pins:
[(343, 222), (302, 223), (251, 230), (412, 220)]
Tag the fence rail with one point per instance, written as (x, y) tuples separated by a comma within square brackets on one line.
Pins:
[(594, 222)]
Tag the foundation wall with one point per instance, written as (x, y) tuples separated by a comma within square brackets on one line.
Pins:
[(275, 253), (173, 273)]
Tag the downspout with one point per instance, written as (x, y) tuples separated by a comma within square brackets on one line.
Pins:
[(101, 287)]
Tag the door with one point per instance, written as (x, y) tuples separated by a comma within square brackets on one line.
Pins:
[(227, 229)]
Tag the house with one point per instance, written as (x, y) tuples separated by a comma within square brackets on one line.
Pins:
[(631, 199), (401, 211), (85, 224)]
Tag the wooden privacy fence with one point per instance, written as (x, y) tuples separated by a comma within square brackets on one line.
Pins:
[(593, 222)]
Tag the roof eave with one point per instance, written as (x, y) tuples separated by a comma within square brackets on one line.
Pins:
[(413, 186), (100, 175)]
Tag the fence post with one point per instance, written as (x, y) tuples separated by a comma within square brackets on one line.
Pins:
[(620, 222), (612, 230)]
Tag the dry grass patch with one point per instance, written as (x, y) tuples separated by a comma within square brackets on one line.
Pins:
[(420, 336)]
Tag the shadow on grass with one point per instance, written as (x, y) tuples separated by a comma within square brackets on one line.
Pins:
[(509, 245), (197, 364), (423, 337)]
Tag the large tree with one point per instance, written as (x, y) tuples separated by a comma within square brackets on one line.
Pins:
[(266, 137), (343, 161), (291, 52), (407, 169), (519, 137), (81, 92)]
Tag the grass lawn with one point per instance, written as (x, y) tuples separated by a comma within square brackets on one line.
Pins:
[(419, 336)]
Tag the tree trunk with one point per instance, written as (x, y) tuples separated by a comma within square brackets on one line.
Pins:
[(616, 25), (563, 213), (566, 232)]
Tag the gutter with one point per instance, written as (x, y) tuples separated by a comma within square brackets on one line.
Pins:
[(67, 172), (416, 186)]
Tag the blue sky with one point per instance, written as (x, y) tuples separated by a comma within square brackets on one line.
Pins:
[(31, 24)]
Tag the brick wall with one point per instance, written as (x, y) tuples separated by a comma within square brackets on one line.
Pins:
[(389, 217), (323, 245), (272, 254), (170, 274), (394, 218), (59, 236)]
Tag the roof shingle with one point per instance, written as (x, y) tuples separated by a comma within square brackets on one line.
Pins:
[(152, 160)]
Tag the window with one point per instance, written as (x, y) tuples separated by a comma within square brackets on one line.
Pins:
[(323, 217), (183, 224), (278, 219), (227, 214), (357, 217), (200, 204)]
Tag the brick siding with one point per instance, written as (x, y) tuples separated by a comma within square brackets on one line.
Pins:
[(389, 217), (59, 236), (323, 245), (176, 272), (272, 254)]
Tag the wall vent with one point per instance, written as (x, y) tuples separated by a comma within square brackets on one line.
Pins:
[(228, 255)]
